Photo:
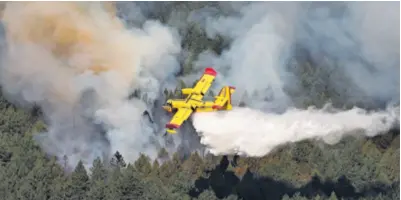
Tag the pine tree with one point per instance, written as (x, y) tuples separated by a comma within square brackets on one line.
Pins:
[(5, 181), (59, 189), (207, 195), (79, 182), (117, 160), (129, 186), (317, 197), (133, 187), (297, 196), (98, 185), (170, 167), (26, 189), (59, 185), (142, 164), (112, 190), (193, 166), (98, 170), (155, 168), (163, 154), (333, 196), (41, 179)]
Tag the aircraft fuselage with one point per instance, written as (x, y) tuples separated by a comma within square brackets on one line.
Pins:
[(193, 102)]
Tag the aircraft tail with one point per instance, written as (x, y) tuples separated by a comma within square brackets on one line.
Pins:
[(223, 99)]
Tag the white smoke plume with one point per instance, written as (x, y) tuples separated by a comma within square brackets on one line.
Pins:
[(342, 39), (350, 48), (362, 42), (79, 63), (262, 36)]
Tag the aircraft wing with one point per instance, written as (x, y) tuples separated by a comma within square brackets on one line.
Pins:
[(204, 83), (179, 117)]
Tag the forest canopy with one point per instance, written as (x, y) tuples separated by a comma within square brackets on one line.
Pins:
[(61, 140)]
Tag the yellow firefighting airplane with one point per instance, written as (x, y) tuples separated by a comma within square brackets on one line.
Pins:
[(183, 108)]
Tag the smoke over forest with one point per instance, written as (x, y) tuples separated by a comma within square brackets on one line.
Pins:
[(94, 69)]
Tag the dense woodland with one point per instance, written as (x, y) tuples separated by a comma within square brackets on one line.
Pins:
[(354, 168)]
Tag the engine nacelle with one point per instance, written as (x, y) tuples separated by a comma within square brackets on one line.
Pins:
[(187, 91)]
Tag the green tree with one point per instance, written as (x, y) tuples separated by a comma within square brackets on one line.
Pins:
[(180, 183), (317, 197), (207, 195), (79, 183), (163, 154), (193, 166), (98, 186), (98, 171), (155, 168), (170, 167), (130, 186), (333, 196), (26, 190), (60, 182), (39, 183), (117, 160), (14, 120), (297, 196), (142, 164), (113, 187)]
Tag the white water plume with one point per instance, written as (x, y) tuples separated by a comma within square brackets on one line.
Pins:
[(253, 133)]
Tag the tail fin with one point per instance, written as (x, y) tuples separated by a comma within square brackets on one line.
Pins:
[(223, 100)]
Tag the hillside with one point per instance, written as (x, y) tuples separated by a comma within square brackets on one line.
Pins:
[(316, 111), (356, 168)]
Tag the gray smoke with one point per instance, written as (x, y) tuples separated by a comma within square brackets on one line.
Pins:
[(292, 54), (352, 48), (83, 67), (79, 63)]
